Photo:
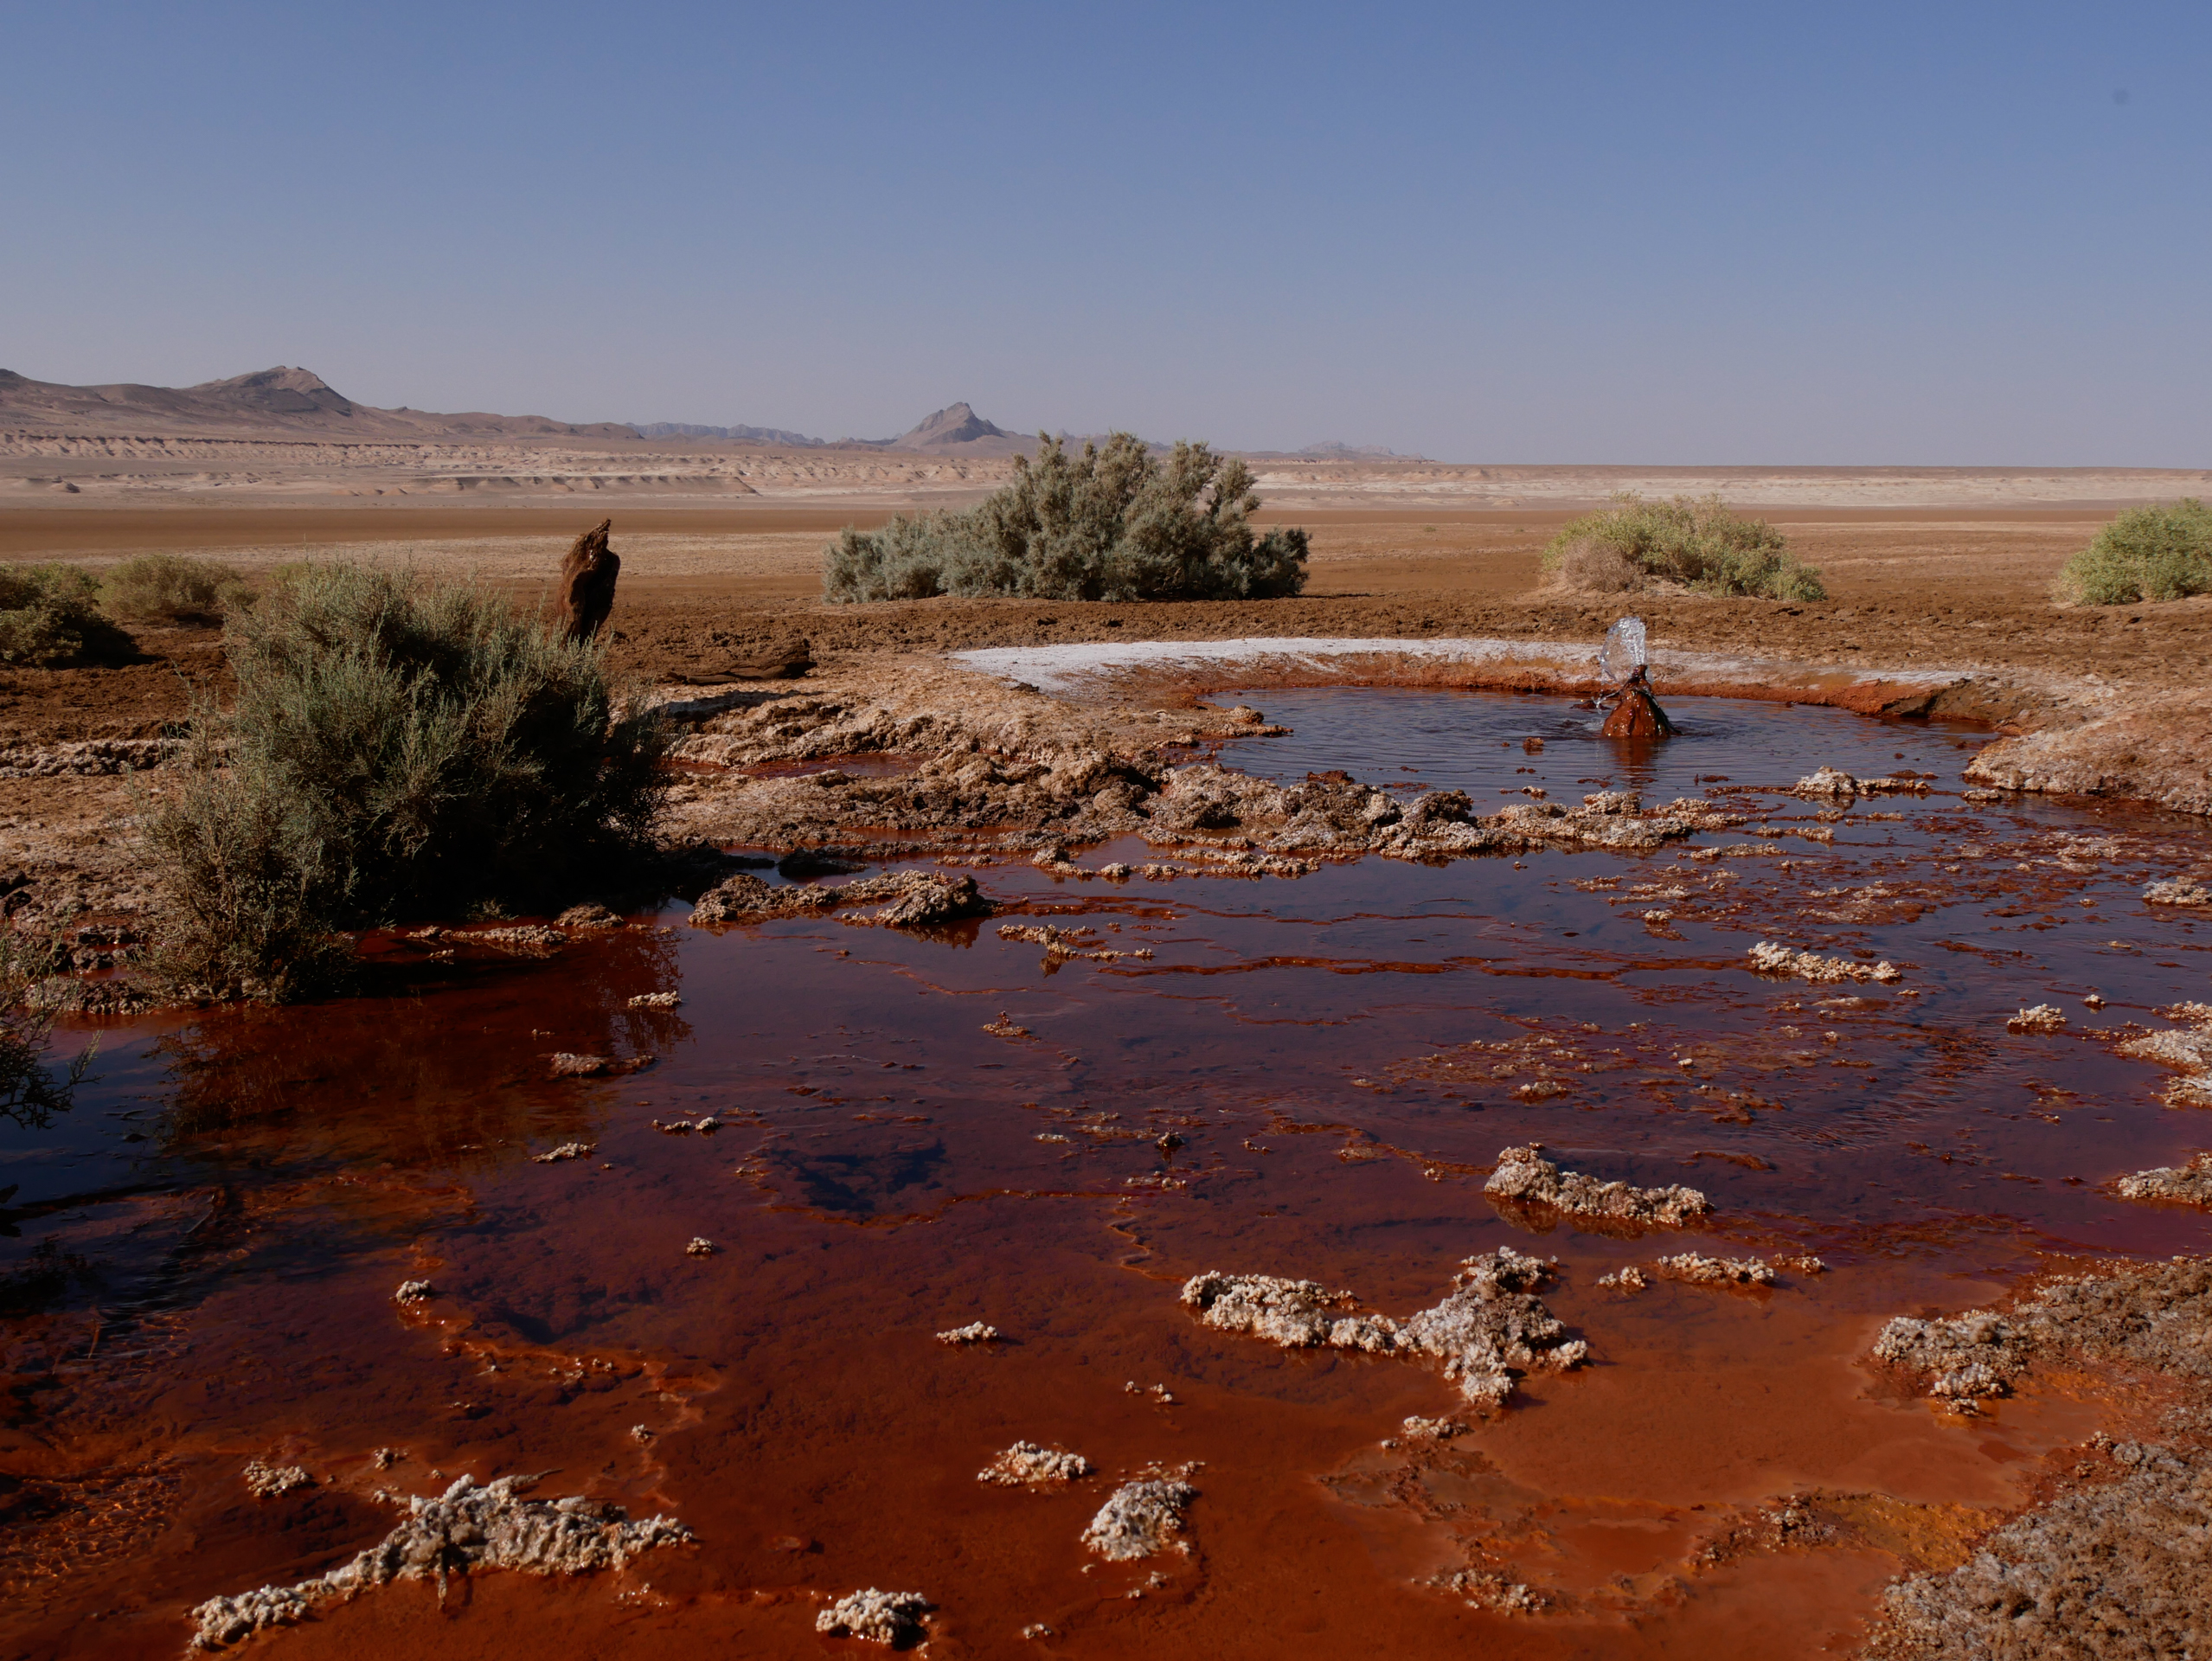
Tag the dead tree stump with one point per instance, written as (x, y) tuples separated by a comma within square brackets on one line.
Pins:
[(587, 583)]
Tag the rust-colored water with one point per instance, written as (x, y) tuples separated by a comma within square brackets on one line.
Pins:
[(206, 1245)]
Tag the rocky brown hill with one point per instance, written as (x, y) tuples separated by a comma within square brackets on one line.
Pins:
[(290, 402)]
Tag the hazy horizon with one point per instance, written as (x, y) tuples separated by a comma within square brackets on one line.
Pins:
[(1889, 238)]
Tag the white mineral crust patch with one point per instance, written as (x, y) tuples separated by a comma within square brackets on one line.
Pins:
[(1061, 668), (267, 1481), (1489, 1327), (2186, 1047), (1702, 1271), (2178, 891), (467, 1528), (1525, 1174), (1140, 1517), (2190, 1185), (1769, 958), (973, 1332), (878, 1617), (1027, 1465)]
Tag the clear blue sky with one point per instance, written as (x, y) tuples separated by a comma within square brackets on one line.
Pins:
[(1926, 234)]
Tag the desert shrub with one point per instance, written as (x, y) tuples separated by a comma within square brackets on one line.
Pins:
[(49, 616), (1117, 523), (1694, 541), (172, 587), (31, 1093), (907, 560), (2162, 552), (1590, 567), (398, 749)]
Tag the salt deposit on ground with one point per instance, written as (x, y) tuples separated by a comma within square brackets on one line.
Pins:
[(2112, 1563), (467, 1527), (2190, 1185), (1769, 958), (267, 1481), (1025, 1465), (1716, 1271), (1524, 1175), (974, 1332), (1486, 1330), (2178, 891), (1140, 1517), (878, 1617)]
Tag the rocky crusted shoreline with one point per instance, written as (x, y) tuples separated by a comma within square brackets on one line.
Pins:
[(2113, 1561), (973, 766)]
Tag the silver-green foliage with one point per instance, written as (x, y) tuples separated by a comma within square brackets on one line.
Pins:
[(173, 586), (49, 616), (2162, 552), (1694, 541), (398, 749), (1117, 523)]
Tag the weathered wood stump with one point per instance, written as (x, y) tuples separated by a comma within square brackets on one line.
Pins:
[(785, 662), (1637, 713), (587, 583)]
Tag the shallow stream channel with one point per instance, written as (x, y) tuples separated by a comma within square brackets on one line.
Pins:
[(736, 1324)]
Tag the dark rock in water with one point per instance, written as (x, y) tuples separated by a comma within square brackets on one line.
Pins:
[(812, 861), (587, 583), (591, 914), (917, 898), (742, 898)]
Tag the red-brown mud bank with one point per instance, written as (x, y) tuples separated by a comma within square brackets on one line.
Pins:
[(1051, 1133)]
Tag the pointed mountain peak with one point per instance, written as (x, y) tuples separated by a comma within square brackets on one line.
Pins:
[(955, 424)]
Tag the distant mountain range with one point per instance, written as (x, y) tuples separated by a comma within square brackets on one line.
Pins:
[(1337, 450), (298, 403), (956, 428)]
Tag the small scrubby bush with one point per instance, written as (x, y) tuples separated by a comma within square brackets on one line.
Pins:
[(1117, 523), (1694, 541), (397, 750), (2154, 553), (173, 588), (49, 616)]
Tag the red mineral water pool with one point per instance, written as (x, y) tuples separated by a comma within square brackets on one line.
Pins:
[(914, 1131)]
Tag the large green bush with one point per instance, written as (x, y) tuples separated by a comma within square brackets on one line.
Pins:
[(49, 616), (173, 588), (397, 750), (1117, 523), (2162, 552), (1694, 541)]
